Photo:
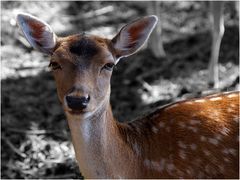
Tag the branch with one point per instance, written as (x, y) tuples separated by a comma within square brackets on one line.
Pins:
[(93, 13), (12, 147), (33, 132)]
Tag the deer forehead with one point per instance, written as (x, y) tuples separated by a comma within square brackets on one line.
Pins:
[(89, 48)]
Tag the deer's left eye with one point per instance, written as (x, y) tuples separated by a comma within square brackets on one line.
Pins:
[(54, 66), (109, 66)]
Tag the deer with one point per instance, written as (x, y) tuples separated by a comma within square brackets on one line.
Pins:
[(217, 31), (194, 138)]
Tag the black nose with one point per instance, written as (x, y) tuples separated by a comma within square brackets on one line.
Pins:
[(77, 103)]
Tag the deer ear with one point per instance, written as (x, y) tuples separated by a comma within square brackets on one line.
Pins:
[(132, 36), (38, 33)]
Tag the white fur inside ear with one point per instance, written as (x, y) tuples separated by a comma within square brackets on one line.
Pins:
[(48, 39), (124, 39), (133, 36), (38, 33)]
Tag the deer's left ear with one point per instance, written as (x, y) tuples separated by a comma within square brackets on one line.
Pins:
[(132, 36), (38, 33)]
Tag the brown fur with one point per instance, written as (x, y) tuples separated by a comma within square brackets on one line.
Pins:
[(137, 150), (196, 138)]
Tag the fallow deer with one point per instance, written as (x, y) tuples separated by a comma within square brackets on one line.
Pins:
[(196, 138)]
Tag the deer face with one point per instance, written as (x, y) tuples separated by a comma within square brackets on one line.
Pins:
[(82, 64)]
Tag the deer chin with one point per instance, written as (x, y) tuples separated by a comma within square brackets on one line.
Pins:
[(78, 114), (84, 113), (93, 109)]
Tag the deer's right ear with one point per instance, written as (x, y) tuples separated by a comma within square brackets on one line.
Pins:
[(38, 33)]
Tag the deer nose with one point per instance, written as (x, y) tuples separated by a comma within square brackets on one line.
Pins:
[(77, 103)]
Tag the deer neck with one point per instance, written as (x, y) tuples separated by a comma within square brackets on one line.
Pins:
[(94, 138)]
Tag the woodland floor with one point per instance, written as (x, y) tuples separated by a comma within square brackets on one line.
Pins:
[(35, 139)]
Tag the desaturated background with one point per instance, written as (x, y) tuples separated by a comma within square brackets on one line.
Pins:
[(35, 139)]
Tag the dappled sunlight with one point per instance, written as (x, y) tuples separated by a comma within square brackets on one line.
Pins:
[(21, 61), (107, 32), (160, 90), (34, 130), (35, 137), (16, 64), (38, 9), (168, 89), (40, 155)]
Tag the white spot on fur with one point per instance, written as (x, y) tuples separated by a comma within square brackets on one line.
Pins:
[(189, 171), (189, 102), (218, 137), (147, 163), (236, 119), (182, 154), (193, 146), (226, 93), (162, 163), (225, 151), (200, 100), (207, 168), (170, 167), (221, 168), (226, 159), (203, 138), (182, 124), (168, 129), (194, 129), (154, 129), (182, 145), (232, 105), (158, 166), (215, 98), (161, 124), (230, 110), (206, 152), (193, 122), (225, 131), (230, 151), (213, 141), (216, 116), (232, 95)]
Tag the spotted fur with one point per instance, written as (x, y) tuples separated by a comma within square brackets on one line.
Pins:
[(197, 138)]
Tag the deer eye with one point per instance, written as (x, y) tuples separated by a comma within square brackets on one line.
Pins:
[(108, 66), (54, 66)]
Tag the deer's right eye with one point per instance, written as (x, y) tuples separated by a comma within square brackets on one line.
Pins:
[(54, 66)]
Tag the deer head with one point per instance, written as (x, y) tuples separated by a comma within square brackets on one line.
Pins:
[(82, 64)]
